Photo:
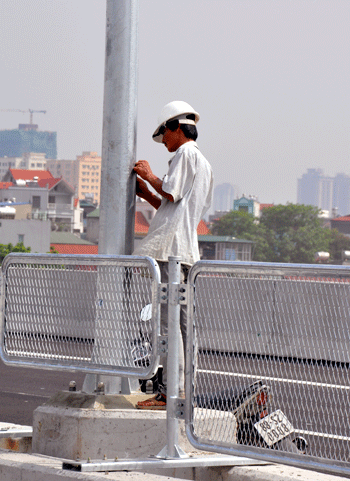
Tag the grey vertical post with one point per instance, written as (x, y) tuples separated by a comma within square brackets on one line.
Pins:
[(117, 207), (172, 450)]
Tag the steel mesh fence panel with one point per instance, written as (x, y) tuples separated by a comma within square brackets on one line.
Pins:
[(79, 312), (287, 329)]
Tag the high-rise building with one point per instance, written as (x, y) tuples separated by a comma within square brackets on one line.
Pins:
[(27, 138), (309, 187), (223, 197), (330, 194), (316, 189), (341, 194), (326, 194)]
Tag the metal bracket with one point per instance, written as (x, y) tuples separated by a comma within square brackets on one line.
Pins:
[(180, 408), (183, 291), (181, 294), (163, 293), (162, 344)]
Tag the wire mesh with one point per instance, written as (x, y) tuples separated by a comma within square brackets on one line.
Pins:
[(285, 328), (79, 312)]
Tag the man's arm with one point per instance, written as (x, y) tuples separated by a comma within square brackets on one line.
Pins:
[(143, 191), (143, 169)]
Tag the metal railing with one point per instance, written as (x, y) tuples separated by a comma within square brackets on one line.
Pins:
[(286, 325), (282, 326), (78, 312)]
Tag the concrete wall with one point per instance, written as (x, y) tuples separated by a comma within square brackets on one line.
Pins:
[(36, 233)]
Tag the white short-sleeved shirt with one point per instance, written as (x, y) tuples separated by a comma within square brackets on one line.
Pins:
[(173, 230)]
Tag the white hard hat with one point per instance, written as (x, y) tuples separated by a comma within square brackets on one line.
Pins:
[(175, 110)]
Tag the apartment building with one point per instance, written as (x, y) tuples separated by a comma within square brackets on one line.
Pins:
[(28, 161), (83, 174), (89, 174)]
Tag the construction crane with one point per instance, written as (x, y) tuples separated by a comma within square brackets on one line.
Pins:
[(31, 112)]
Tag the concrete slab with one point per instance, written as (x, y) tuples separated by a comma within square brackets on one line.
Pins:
[(276, 472), (26, 467)]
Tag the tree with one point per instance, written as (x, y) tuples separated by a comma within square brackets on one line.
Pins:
[(298, 233), (284, 233), (7, 248), (338, 243), (235, 223)]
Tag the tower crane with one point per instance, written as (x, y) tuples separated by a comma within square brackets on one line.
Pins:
[(31, 112)]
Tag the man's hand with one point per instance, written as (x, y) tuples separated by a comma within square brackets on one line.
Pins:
[(143, 169)]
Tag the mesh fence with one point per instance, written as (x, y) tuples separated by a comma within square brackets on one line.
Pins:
[(272, 347), (80, 311)]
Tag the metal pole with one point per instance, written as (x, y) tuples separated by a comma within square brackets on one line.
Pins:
[(172, 450), (117, 207)]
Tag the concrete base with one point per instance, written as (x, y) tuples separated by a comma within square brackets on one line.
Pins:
[(74, 425)]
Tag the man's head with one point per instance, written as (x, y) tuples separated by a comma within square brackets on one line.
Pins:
[(176, 122)]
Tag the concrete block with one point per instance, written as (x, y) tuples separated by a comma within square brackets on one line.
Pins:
[(74, 425)]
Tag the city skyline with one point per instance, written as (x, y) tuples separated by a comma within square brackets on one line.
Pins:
[(331, 194), (269, 78)]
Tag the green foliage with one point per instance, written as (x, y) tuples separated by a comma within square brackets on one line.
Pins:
[(338, 243), (297, 233), (284, 233), (235, 224), (7, 248)]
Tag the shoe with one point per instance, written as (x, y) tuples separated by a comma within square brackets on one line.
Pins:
[(157, 402)]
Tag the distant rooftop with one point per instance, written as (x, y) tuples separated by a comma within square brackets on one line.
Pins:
[(67, 238)]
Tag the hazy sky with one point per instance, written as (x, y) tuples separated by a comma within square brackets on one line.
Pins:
[(270, 78)]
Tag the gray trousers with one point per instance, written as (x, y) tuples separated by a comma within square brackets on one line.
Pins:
[(164, 272)]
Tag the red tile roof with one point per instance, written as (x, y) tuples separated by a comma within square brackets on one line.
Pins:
[(48, 182), (141, 224), (202, 228), (345, 218), (75, 248), (265, 206), (30, 174)]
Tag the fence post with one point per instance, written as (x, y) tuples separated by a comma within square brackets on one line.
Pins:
[(172, 450)]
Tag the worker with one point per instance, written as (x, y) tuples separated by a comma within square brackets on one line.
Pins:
[(185, 194)]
